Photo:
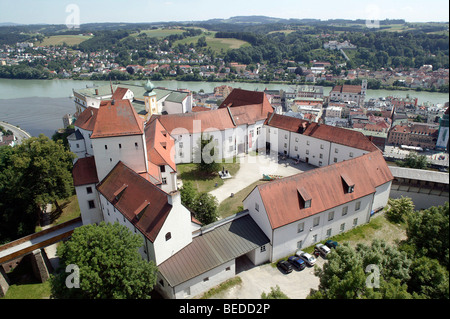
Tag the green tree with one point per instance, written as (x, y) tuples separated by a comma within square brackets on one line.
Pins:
[(399, 209), (32, 175), (275, 293), (205, 208), (429, 279), (207, 155), (110, 265), (188, 194), (412, 160), (428, 232), (344, 275)]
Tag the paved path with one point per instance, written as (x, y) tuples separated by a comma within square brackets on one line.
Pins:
[(18, 132), (252, 168)]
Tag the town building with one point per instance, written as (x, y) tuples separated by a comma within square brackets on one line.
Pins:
[(126, 173), (443, 134), (414, 134), (166, 101), (349, 93)]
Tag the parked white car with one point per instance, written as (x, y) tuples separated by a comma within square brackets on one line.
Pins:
[(324, 250), (309, 259)]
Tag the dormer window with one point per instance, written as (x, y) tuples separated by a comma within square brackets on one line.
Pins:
[(349, 185), (304, 198)]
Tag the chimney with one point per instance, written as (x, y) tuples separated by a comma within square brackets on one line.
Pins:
[(174, 198)]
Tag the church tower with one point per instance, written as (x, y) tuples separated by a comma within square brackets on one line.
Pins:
[(150, 99)]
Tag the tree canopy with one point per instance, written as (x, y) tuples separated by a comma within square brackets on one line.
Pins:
[(32, 174), (110, 265)]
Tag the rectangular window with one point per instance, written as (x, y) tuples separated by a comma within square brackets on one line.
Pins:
[(180, 144), (314, 238), (351, 154), (285, 136), (330, 216), (342, 228), (258, 131), (316, 221), (321, 146), (262, 249), (89, 190), (285, 145), (296, 148), (91, 204), (300, 227), (307, 142), (136, 144), (357, 206), (257, 207), (120, 145), (162, 168), (296, 139), (335, 159), (106, 147), (230, 139), (344, 210), (336, 150), (328, 232), (355, 222), (320, 155), (307, 152), (164, 180), (320, 163), (308, 204), (299, 244)]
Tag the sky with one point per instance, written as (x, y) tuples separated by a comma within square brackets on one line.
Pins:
[(88, 11)]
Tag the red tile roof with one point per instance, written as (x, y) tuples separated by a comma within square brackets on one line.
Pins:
[(218, 119), (355, 89), (84, 171), (87, 118), (117, 118), (239, 97), (160, 145), (324, 186), (145, 205), (340, 135), (287, 123)]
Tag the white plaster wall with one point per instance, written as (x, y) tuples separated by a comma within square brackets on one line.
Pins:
[(260, 217), (199, 284), (285, 238), (89, 215), (135, 157), (381, 196), (175, 223)]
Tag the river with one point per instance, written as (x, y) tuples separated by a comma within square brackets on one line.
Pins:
[(37, 106)]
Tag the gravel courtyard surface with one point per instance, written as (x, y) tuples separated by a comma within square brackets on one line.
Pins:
[(259, 279), (252, 168)]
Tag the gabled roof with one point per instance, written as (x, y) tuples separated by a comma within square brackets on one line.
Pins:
[(159, 145), (216, 247), (87, 118), (355, 89), (117, 118), (84, 171), (340, 135), (254, 103), (134, 191), (196, 122), (287, 123), (324, 186)]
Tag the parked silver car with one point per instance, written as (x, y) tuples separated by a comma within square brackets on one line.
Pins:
[(323, 250), (310, 260)]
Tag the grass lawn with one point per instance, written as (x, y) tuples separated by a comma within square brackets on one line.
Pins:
[(233, 205), (202, 182), (60, 39), (160, 33), (378, 228), (29, 291), (216, 44)]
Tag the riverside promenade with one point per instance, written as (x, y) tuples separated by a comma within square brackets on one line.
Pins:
[(17, 131)]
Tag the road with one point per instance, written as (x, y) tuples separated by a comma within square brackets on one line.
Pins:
[(18, 132)]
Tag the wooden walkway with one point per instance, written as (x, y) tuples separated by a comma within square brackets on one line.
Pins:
[(28, 244)]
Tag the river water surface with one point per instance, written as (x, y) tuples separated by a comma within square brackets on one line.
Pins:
[(37, 106)]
